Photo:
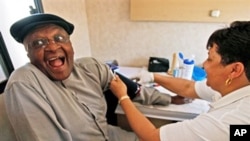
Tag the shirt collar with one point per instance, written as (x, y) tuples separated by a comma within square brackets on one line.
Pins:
[(232, 97)]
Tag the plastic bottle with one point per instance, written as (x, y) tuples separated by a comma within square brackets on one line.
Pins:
[(188, 67), (175, 66), (177, 71)]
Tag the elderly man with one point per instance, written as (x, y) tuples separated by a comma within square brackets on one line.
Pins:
[(55, 97)]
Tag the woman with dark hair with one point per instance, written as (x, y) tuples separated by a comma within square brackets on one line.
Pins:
[(226, 86)]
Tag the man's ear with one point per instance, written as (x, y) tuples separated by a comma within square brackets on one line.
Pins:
[(26, 49)]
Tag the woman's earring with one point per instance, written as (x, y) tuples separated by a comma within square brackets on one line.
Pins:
[(228, 81)]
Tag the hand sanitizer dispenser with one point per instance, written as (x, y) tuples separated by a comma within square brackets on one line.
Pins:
[(188, 67)]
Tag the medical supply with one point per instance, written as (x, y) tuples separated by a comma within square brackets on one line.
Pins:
[(188, 67)]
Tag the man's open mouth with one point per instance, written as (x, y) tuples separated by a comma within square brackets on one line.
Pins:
[(56, 61)]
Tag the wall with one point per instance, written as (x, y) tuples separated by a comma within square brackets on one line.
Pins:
[(114, 36), (73, 11), (104, 30)]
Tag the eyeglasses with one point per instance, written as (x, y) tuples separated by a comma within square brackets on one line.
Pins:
[(44, 42)]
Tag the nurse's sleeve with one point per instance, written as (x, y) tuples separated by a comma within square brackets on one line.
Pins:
[(205, 92)]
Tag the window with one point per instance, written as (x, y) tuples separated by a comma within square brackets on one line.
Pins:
[(6, 66)]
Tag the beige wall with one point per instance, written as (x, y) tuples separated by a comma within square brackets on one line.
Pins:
[(105, 30), (114, 36)]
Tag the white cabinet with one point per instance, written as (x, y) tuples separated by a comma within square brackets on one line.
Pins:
[(190, 10)]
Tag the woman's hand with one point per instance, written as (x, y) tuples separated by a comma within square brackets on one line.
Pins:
[(118, 87)]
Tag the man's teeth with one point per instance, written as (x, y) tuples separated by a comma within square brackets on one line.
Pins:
[(51, 59)]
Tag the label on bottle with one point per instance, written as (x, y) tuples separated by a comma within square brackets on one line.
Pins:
[(188, 67)]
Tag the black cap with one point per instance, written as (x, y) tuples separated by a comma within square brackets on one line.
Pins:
[(24, 26)]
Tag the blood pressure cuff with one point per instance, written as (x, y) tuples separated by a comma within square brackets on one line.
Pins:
[(133, 89), (157, 64), (136, 92)]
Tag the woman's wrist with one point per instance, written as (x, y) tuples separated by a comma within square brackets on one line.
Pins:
[(123, 98)]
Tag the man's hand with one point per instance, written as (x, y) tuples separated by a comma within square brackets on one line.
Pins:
[(180, 100)]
